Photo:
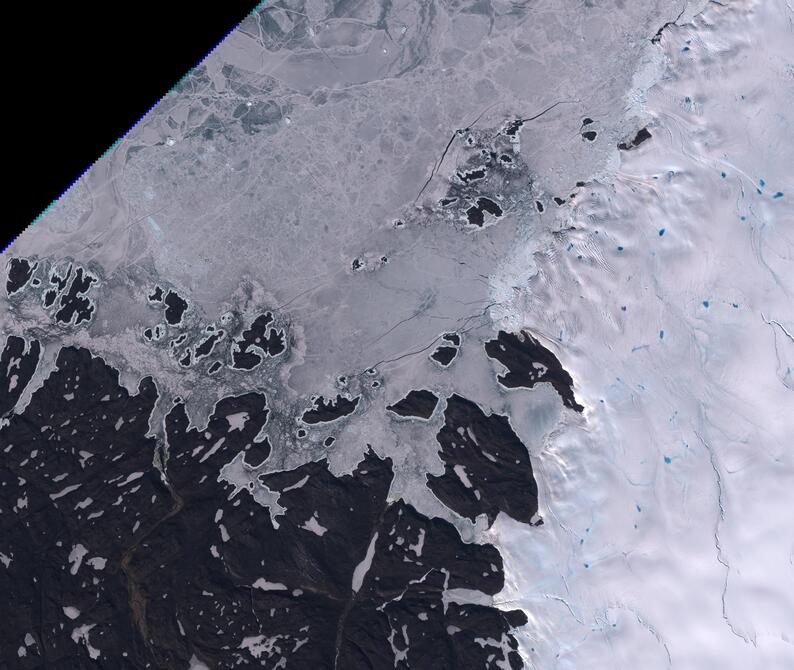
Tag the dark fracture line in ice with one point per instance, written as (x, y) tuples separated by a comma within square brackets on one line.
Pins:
[(438, 163), (548, 109), (658, 36), (549, 596), (717, 543), (299, 295), (433, 342), (435, 167), (649, 628), (770, 322), (782, 377), (397, 325)]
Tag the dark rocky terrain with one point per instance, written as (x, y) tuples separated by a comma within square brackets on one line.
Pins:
[(112, 562), (529, 363)]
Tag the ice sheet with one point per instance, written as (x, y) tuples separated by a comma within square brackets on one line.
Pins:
[(668, 538)]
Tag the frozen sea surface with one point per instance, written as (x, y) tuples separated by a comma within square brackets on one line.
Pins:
[(350, 207)]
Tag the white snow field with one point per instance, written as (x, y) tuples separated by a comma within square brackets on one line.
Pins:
[(668, 539)]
